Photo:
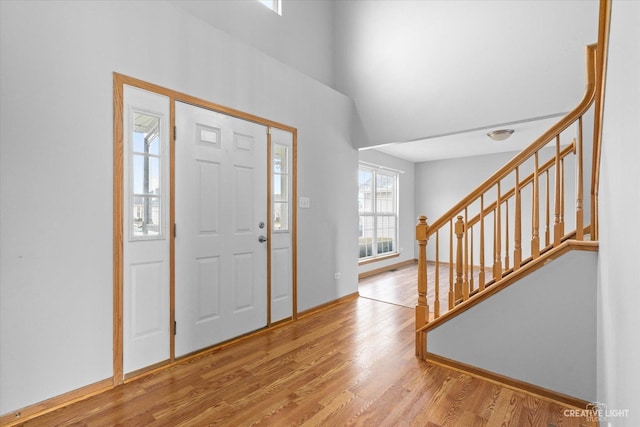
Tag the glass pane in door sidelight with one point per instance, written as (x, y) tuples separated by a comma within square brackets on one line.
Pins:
[(145, 169), (280, 190)]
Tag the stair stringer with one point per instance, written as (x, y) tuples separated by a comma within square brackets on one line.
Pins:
[(539, 330)]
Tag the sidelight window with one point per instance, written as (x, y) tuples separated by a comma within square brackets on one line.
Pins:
[(146, 183), (280, 187)]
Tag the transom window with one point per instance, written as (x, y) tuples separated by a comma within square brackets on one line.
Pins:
[(275, 5), (378, 208)]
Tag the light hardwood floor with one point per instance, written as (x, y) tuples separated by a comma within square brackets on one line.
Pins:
[(350, 364), (400, 285), (396, 287)]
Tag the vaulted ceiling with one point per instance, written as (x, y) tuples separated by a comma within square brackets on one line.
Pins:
[(429, 78)]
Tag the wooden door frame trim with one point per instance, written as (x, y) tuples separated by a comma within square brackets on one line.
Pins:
[(119, 80)]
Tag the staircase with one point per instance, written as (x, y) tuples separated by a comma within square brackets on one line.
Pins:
[(526, 214), (525, 224)]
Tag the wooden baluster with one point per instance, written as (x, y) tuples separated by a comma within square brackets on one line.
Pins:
[(436, 303), (579, 187), (594, 227), (506, 236), (465, 261), (481, 278), (535, 227), (497, 233), (452, 294), (459, 281), (547, 234), (471, 261), (517, 238), (561, 198), (556, 224), (422, 308)]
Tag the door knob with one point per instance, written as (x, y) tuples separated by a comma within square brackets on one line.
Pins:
[(262, 239)]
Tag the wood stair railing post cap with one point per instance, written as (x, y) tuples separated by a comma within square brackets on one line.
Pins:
[(422, 228)]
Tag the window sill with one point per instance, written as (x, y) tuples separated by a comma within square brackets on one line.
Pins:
[(380, 258)]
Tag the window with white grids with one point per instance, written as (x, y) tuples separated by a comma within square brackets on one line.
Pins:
[(378, 209), (146, 191), (280, 195)]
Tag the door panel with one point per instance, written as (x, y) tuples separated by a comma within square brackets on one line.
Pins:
[(208, 282), (220, 193), (209, 196), (146, 296), (146, 328), (281, 281)]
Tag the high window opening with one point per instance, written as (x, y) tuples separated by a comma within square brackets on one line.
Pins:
[(275, 5), (378, 209)]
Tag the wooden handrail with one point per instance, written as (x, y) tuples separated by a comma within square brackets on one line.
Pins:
[(526, 181), (524, 155), (604, 24)]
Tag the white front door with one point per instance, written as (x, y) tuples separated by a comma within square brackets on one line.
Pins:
[(146, 327), (220, 217)]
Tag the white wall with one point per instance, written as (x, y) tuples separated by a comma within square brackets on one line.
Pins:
[(440, 184), (541, 330), (56, 64), (301, 38), (619, 270), (406, 208)]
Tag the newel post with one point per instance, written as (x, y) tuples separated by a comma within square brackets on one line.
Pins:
[(459, 230), (422, 308)]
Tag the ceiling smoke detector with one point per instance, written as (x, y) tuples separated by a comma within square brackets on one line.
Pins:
[(500, 135)]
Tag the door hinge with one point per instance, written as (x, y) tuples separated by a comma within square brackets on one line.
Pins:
[(175, 230), (175, 327), (175, 132)]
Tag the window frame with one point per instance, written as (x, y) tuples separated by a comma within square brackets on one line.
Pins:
[(376, 214)]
